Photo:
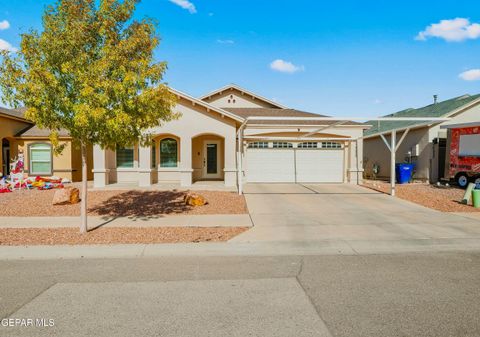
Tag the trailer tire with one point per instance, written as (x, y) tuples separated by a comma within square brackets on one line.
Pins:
[(462, 179)]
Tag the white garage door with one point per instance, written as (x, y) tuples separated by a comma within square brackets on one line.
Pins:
[(270, 165), (294, 165), (324, 166)]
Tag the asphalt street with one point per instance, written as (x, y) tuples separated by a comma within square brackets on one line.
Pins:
[(428, 294)]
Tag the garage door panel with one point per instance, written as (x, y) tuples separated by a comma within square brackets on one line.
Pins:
[(325, 166), (295, 165), (270, 165)]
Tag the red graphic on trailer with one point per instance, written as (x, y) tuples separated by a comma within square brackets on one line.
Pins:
[(463, 163)]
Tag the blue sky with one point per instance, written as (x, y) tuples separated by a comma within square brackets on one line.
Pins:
[(340, 58)]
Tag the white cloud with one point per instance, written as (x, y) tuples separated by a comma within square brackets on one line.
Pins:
[(285, 66), (185, 4), (4, 25), (4, 45), (470, 75), (377, 101), (226, 41), (455, 30)]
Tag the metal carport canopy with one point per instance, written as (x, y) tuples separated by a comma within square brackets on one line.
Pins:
[(338, 121)]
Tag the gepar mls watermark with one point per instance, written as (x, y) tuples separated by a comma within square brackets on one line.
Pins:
[(27, 322)]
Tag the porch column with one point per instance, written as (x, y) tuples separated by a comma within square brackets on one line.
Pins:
[(230, 171), (186, 170), (355, 167), (144, 166), (100, 170)]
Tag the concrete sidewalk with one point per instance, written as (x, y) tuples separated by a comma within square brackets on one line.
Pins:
[(326, 247), (222, 220)]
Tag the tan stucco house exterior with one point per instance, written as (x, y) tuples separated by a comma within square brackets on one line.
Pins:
[(425, 143), (203, 144), (21, 136)]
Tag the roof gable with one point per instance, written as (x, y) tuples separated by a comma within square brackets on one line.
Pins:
[(206, 105), (220, 97), (440, 109)]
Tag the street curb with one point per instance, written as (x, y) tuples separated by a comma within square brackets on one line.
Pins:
[(327, 247)]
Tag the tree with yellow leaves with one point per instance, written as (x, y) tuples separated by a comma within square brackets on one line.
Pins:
[(91, 72)]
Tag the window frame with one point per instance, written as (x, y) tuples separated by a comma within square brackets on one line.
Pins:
[(161, 162), (154, 154), (330, 145), (30, 161), (258, 145), (307, 145), (282, 145), (132, 148)]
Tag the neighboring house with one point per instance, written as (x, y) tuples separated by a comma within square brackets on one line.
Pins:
[(425, 142), (21, 136), (202, 145)]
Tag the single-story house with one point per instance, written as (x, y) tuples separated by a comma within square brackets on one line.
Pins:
[(21, 136), (424, 144), (203, 144)]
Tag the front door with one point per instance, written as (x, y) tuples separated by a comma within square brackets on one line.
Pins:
[(6, 160), (211, 162)]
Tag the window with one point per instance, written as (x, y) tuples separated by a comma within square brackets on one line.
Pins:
[(331, 145), (469, 145), (125, 157), (258, 145), (308, 145), (40, 159), (168, 152), (154, 155), (282, 145)]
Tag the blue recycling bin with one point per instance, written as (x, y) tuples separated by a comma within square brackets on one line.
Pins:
[(404, 173)]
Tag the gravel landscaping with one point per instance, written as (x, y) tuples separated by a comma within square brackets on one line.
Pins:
[(116, 235), (441, 199), (121, 203)]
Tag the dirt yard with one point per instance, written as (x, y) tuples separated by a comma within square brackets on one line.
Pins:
[(441, 199), (121, 203), (115, 235)]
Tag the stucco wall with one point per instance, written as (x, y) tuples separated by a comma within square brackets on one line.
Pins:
[(8, 129), (68, 164), (166, 174), (234, 99), (376, 152), (198, 153), (195, 123)]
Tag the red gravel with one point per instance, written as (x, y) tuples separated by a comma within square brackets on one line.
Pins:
[(116, 235), (121, 203), (441, 199)]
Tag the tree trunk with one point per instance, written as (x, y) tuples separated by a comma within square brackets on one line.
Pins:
[(83, 208)]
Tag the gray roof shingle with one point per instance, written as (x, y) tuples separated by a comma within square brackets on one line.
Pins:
[(17, 113), (440, 109)]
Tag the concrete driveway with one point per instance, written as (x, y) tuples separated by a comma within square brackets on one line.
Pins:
[(313, 212)]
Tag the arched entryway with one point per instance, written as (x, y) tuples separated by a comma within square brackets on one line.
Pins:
[(208, 157), (165, 158)]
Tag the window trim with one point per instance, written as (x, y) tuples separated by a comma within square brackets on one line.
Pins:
[(256, 145), (30, 166), (306, 145), (288, 145), (131, 147), (153, 149), (160, 153), (328, 145)]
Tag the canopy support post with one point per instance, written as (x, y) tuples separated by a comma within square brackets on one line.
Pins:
[(393, 151)]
